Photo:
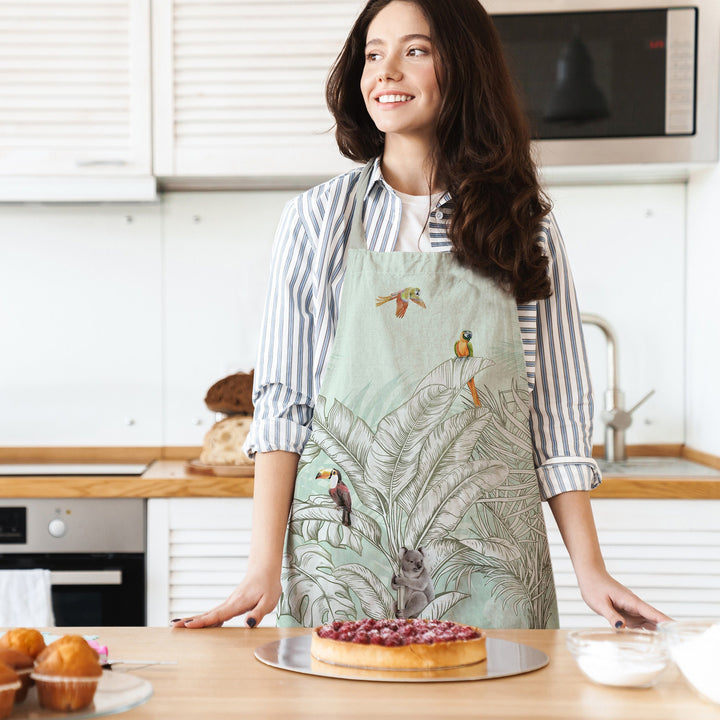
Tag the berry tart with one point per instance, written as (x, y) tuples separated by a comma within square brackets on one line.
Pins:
[(398, 644)]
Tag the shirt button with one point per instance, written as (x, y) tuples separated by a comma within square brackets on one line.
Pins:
[(439, 214)]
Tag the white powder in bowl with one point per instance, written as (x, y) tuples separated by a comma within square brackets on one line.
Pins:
[(699, 661), (609, 664)]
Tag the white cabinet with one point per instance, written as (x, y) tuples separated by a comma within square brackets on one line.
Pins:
[(197, 553), (81, 325), (666, 551), (239, 87), (75, 88)]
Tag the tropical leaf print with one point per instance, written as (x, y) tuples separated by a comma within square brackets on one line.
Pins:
[(446, 503), (442, 604), (455, 372), (311, 594), (399, 438), (375, 599)]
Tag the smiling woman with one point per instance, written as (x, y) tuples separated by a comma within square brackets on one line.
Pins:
[(410, 443)]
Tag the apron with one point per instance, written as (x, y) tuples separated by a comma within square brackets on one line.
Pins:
[(416, 494)]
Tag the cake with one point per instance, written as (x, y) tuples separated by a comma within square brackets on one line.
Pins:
[(398, 644), (224, 441), (231, 395), (66, 674), (24, 640), (9, 685), (22, 664)]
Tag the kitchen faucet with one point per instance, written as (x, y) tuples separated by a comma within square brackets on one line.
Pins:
[(617, 420)]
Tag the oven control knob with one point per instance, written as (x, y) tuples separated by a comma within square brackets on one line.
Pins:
[(57, 527)]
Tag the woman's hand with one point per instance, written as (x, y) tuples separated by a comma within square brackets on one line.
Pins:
[(255, 596), (616, 603)]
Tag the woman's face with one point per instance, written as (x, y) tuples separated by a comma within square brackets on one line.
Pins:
[(399, 83)]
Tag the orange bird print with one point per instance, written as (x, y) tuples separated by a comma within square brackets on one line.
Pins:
[(402, 298), (463, 348)]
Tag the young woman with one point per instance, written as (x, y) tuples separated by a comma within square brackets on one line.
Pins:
[(422, 383)]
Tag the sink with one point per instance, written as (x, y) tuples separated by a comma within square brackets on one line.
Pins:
[(657, 467)]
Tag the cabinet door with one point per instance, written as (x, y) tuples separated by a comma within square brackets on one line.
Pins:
[(81, 327), (75, 88), (197, 554), (239, 87), (666, 551)]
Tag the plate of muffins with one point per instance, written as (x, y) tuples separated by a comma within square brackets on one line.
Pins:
[(60, 680)]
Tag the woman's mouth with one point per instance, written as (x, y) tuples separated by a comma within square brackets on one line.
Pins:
[(384, 99)]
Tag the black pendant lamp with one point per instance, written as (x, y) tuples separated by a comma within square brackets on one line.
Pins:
[(576, 97)]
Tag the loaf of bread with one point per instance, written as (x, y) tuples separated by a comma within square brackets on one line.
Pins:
[(232, 395), (224, 441)]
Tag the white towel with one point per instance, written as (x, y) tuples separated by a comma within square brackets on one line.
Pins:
[(25, 598)]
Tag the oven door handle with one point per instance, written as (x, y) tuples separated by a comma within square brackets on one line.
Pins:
[(86, 577)]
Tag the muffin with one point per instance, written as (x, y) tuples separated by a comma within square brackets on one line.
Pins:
[(24, 640), (9, 685), (66, 674), (22, 664)]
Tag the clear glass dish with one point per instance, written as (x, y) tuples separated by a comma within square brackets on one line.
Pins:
[(622, 658), (694, 646)]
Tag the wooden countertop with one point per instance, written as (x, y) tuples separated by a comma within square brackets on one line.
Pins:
[(217, 677), (169, 477)]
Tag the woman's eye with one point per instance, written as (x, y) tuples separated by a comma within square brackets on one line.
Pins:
[(371, 57), (417, 52)]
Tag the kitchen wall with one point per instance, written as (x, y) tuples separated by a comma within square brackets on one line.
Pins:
[(115, 319)]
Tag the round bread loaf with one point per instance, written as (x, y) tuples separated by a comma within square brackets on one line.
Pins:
[(232, 395), (22, 664), (224, 441)]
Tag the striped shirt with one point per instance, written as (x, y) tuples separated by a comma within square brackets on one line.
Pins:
[(301, 314)]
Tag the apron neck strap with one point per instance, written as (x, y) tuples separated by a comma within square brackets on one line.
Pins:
[(357, 240)]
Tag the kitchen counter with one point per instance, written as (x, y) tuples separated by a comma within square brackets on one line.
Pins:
[(170, 478), (217, 676)]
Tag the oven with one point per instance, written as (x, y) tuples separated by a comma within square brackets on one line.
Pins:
[(94, 549)]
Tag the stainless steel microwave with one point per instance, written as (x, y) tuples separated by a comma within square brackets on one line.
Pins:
[(616, 82)]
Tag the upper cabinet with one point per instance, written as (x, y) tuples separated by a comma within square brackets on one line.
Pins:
[(75, 117), (239, 88)]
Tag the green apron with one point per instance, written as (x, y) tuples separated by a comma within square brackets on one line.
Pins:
[(416, 495)]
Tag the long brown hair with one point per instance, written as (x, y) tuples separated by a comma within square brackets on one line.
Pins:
[(482, 151)]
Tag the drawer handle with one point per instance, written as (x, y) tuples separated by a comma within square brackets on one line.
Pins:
[(86, 577)]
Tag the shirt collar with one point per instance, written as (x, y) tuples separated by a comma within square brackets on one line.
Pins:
[(376, 177)]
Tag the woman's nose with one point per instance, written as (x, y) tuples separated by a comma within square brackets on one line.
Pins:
[(388, 71)]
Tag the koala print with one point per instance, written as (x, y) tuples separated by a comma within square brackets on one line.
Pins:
[(414, 576)]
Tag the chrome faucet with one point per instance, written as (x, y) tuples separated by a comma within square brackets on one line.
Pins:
[(617, 420)]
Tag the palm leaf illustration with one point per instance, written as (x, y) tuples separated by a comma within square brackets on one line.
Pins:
[(448, 446), (448, 500), (455, 372), (441, 604), (311, 594), (375, 599), (318, 519), (392, 460)]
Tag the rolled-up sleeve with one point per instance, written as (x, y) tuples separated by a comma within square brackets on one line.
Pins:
[(283, 373), (561, 413)]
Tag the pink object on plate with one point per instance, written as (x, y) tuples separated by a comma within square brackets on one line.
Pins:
[(100, 649)]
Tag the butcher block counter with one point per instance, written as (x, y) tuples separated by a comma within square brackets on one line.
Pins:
[(170, 476), (217, 676)]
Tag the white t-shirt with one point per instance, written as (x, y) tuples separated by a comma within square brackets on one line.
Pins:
[(414, 233)]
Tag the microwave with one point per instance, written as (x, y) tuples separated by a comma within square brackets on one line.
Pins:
[(614, 82)]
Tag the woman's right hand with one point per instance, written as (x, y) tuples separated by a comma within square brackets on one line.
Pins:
[(255, 596)]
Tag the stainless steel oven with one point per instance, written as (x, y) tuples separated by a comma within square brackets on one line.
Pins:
[(94, 549)]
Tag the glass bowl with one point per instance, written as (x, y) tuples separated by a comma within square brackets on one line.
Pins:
[(623, 658), (695, 648)]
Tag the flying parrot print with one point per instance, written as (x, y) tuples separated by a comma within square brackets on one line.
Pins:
[(402, 298), (463, 348)]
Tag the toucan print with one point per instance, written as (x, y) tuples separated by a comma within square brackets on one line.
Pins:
[(338, 492), (463, 348), (402, 297)]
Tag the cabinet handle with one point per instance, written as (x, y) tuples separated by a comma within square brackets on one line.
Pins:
[(100, 163), (86, 577)]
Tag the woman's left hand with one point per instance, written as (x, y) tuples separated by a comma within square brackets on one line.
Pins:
[(618, 605)]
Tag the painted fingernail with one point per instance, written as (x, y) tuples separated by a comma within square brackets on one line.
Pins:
[(175, 620), (619, 624), (252, 622)]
